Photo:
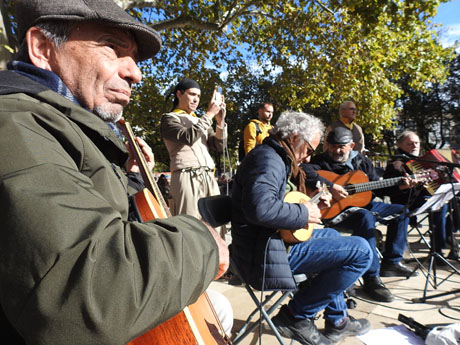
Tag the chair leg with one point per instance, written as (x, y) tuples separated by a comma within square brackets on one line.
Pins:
[(245, 330)]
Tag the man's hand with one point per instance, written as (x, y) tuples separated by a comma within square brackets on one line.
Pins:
[(132, 164), (407, 182), (338, 192), (314, 214), (217, 108), (325, 200), (220, 117), (224, 256)]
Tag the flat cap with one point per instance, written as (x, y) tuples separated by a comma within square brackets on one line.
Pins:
[(339, 136), (32, 12)]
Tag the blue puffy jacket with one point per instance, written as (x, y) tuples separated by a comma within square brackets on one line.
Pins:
[(258, 211)]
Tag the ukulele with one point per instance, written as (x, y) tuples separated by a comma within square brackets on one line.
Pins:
[(359, 189), (196, 324), (303, 234)]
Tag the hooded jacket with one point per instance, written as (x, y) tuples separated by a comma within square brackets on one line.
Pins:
[(72, 267)]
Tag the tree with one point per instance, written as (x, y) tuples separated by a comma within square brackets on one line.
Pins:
[(434, 115), (311, 53)]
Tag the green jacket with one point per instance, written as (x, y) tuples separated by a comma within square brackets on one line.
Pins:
[(73, 269)]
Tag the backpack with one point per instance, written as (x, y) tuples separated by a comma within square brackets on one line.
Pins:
[(241, 152)]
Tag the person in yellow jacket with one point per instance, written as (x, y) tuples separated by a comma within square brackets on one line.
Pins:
[(257, 129)]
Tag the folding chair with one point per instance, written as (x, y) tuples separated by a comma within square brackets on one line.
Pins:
[(216, 210)]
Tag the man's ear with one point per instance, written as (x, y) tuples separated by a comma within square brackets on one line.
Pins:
[(40, 48)]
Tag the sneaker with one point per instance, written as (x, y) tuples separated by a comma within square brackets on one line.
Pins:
[(396, 270), (375, 288), (302, 330), (350, 327)]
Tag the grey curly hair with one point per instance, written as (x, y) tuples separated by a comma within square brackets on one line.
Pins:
[(293, 122)]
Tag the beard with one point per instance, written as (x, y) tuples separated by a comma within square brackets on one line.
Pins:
[(338, 158), (109, 112)]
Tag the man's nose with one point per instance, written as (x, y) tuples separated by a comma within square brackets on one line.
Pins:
[(130, 70)]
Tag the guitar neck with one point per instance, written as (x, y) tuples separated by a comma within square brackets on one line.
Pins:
[(373, 185), (149, 181)]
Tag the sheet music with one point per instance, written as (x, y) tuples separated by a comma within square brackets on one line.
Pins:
[(442, 195)]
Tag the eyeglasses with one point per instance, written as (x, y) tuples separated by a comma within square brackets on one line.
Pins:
[(311, 150)]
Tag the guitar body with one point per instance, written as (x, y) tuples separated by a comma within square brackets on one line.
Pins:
[(195, 325), (147, 206), (300, 235), (353, 199)]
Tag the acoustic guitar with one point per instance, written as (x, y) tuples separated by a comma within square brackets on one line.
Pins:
[(359, 189), (196, 324), (303, 234)]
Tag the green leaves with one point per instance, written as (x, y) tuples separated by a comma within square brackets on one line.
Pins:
[(307, 55)]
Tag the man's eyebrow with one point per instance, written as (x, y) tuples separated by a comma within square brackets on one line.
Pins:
[(124, 44)]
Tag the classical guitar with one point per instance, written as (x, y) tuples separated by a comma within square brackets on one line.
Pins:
[(303, 234), (196, 324), (359, 189)]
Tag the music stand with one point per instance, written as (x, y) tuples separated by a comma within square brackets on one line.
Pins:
[(442, 195)]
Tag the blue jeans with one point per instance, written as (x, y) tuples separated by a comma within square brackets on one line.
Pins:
[(338, 261), (363, 224)]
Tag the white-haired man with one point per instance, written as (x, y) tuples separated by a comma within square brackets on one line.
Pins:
[(261, 182)]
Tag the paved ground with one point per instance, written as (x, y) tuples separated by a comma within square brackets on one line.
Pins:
[(432, 311)]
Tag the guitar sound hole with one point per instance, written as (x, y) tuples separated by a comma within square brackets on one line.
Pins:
[(350, 189)]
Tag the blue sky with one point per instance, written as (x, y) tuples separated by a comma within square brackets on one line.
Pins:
[(449, 16)]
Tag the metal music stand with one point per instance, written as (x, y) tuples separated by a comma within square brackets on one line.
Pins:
[(442, 195)]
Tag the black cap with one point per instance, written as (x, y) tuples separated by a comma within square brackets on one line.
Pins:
[(32, 12), (186, 84), (339, 136)]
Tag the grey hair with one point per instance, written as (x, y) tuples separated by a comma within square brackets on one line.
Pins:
[(57, 32), (293, 122), (344, 104), (405, 134)]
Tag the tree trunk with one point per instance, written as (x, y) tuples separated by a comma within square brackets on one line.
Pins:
[(5, 55)]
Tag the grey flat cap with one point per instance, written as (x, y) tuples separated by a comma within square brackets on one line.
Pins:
[(32, 12), (339, 136)]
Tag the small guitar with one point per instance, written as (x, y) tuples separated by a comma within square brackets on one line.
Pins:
[(359, 189), (303, 234)]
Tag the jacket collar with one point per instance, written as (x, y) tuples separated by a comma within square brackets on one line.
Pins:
[(93, 126)]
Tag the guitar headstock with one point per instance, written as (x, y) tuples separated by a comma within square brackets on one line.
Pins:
[(427, 175)]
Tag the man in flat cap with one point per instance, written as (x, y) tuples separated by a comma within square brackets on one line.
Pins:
[(188, 139), (74, 268), (341, 159)]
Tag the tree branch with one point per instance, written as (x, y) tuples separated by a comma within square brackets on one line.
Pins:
[(128, 4), (181, 22)]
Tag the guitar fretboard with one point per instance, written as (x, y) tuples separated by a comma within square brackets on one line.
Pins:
[(368, 186)]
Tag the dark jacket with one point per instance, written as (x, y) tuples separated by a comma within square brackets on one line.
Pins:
[(72, 268), (397, 168), (357, 161), (258, 211)]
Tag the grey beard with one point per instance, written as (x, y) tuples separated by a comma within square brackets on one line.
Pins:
[(107, 114)]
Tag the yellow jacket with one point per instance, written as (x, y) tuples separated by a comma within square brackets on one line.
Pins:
[(254, 133)]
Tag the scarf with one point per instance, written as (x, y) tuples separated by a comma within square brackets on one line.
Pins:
[(44, 77), (297, 174)]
